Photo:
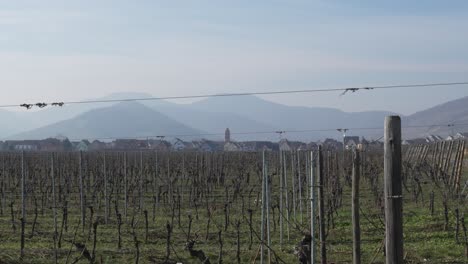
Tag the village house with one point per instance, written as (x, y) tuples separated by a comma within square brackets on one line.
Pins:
[(129, 144), (286, 145), (208, 145), (54, 144), (260, 145), (233, 146), (461, 135), (159, 145), (22, 145), (49, 144), (97, 145), (415, 141), (332, 144), (433, 138), (178, 144), (351, 142)]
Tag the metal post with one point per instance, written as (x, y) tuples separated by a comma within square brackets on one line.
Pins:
[(267, 198), (323, 247), (286, 194), (125, 185), (281, 198), (393, 191), (54, 209), (312, 206), (262, 230), (300, 185)]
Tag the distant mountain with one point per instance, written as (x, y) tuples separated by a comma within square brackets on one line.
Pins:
[(213, 115), (282, 117), (453, 112), (213, 121), (128, 119)]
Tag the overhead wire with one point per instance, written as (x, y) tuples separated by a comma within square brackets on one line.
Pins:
[(343, 90)]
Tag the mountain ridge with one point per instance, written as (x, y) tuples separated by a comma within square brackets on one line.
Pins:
[(240, 114)]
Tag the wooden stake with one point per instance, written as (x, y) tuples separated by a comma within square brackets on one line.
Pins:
[(393, 191), (355, 209)]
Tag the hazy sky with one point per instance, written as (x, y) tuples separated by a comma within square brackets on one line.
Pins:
[(71, 50)]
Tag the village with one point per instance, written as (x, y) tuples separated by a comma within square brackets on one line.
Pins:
[(61, 143)]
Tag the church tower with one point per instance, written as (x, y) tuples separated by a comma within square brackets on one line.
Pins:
[(227, 135)]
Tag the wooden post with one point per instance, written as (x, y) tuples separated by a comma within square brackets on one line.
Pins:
[(4, 181), (293, 183), (23, 203), (323, 248), (393, 191), (355, 209), (23, 193), (82, 202), (125, 185), (141, 181), (300, 185), (106, 205)]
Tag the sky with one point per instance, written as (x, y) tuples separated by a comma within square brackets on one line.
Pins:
[(55, 50)]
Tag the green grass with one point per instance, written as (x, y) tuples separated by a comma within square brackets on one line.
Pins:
[(425, 240)]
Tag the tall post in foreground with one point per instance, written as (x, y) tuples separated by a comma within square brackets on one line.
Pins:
[(355, 209), (323, 246), (393, 191)]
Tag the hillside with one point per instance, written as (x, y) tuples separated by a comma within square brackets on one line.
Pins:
[(283, 117), (452, 112)]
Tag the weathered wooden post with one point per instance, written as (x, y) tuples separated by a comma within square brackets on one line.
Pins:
[(323, 247), (393, 191), (355, 208)]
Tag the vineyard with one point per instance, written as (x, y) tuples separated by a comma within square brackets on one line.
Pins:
[(231, 207)]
